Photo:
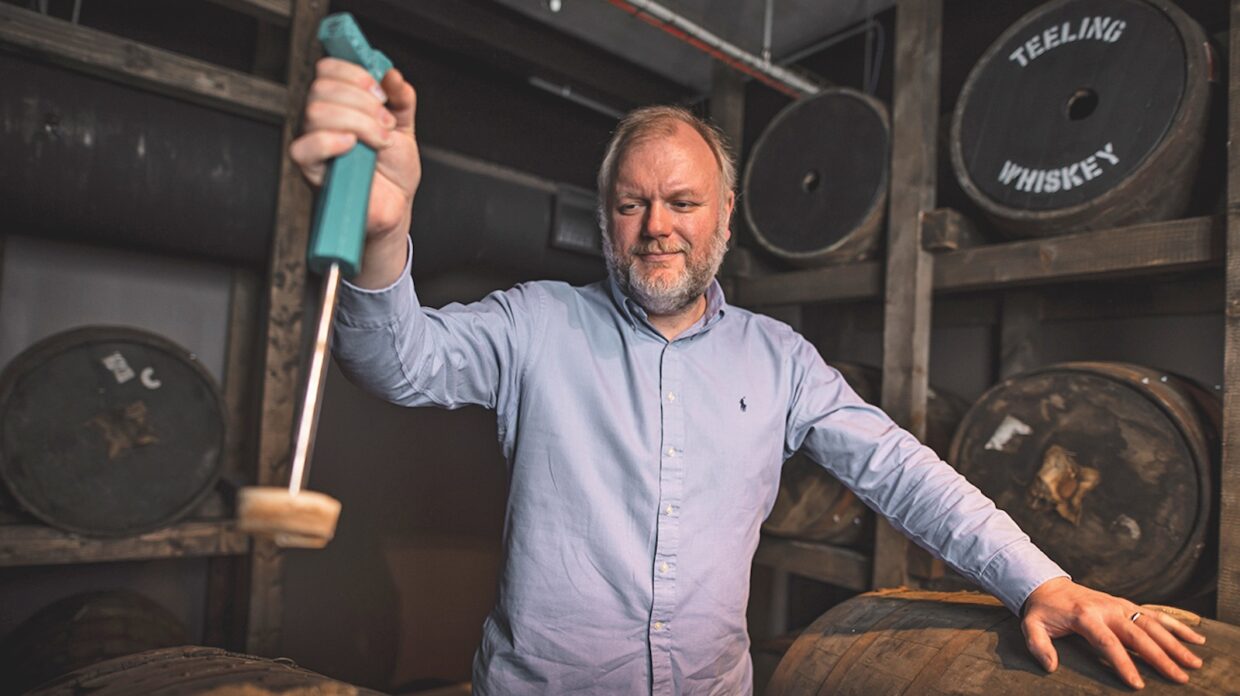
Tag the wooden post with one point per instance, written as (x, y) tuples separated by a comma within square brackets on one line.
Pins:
[(1019, 321), (282, 365), (1229, 506), (906, 325)]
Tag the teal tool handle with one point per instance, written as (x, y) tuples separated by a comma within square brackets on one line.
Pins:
[(339, 228)]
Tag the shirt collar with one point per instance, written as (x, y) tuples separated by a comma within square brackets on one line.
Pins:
[(716, 306)]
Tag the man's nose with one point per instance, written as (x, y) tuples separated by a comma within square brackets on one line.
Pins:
[(658, 222)]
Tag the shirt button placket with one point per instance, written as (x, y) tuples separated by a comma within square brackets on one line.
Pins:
[(671, 479)]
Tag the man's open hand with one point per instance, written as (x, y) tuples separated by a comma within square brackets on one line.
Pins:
[(1060, 607)]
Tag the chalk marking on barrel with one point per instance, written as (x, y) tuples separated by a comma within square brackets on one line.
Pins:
[(148, 378), (1006, 432), (120, 369), (1106, 29)]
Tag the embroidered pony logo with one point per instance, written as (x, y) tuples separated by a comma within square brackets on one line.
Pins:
[(744, 406)]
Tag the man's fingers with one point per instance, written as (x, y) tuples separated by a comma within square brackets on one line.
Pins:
[(312, 150), (1177, 628), (345, 71), (322, 115), (1040, 645), (1139, 637), (1111, 649), (402, 100)]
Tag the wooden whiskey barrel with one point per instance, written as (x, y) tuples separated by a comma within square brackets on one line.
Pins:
[(188, 671), (1085, 114), (1110, 468), (906, 642), (109, 431), (812, 505), (82, 630), (815, 187)]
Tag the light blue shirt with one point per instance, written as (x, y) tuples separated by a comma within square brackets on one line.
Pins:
[(641, 471)]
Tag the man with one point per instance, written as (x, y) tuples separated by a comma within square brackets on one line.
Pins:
[(645, 423)]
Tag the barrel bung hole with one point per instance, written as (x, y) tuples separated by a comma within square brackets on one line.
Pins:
[(811, 180), (1082, 104)]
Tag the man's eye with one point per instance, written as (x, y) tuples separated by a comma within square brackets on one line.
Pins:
[(626, 208), (684, 205)]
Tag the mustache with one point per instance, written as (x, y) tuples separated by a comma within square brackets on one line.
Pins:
[(656, 247)]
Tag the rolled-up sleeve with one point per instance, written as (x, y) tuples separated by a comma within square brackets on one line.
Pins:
[(910, 485)]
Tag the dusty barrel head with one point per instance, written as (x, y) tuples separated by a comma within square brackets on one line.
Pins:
[(109, 431), (815, 187), (1085, 114), (1108, 467)]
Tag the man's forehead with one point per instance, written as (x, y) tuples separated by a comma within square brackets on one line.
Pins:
[(683, 156)]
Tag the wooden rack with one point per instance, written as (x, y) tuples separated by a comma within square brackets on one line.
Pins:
[(911, 277), (252, 590)]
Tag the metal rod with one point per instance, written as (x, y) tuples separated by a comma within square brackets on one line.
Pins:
[(308, 421), (767, 30), (698, 36)]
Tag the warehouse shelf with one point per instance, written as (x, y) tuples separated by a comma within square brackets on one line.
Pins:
[(823, 562), (1158, 247), (244, 576), (277, 12), (30, 544), (110, 56)]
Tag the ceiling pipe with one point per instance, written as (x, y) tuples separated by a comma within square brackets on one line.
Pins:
[(772, 75)]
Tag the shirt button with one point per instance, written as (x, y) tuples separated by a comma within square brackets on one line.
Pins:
[(658, 625), (663, 567), (671, 396), (671, 451), (668, 509)]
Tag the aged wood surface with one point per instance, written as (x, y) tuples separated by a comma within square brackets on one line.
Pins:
[(852, 281), (945, 229), (1160, 246), (921, 643), (1107, 467), (906, 330), (829, 564), (286, 302), (239, 366), (273, 11), (22, 545), (1229, 512), (112, 57), (1157, 247), (1018, 333)]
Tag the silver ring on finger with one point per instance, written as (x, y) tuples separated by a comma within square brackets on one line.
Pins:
[(1135, 615)]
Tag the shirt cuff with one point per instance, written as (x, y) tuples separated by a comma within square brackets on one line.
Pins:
[(1016, 571), (366, 308)]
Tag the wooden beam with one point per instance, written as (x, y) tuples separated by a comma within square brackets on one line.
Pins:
[(1159, 246), (282, 364), (271, 11), (909, 271), (27, 545), (821, 562), (1155, 247), (945, 229), (1018, 333), (1229, 507), (112, 57), (854, 281)]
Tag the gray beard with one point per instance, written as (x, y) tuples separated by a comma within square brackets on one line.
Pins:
[(664, 297)]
